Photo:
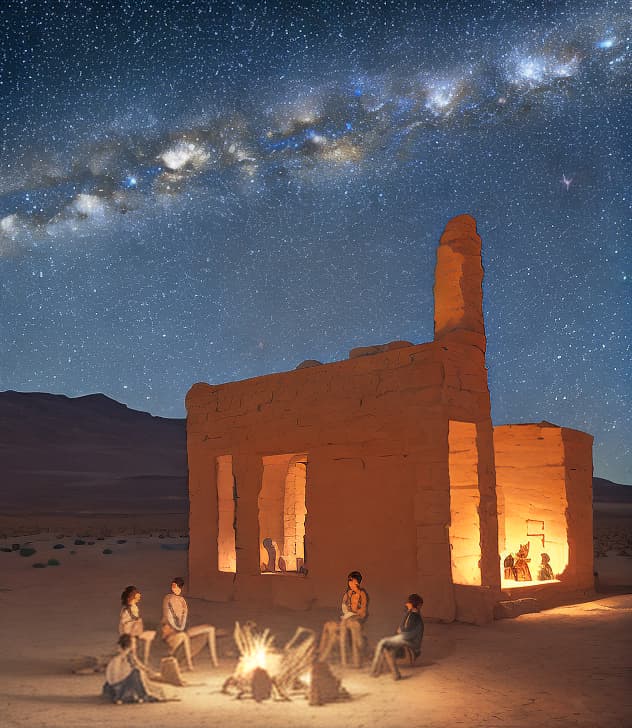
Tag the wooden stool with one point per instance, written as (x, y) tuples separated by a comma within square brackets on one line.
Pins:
[(410, 654)]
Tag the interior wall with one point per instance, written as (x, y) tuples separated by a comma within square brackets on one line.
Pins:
[(530, 475), (226, 501), (271, 502), (294, 512)]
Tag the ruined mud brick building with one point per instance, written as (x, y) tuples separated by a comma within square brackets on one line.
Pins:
[(387, 463)]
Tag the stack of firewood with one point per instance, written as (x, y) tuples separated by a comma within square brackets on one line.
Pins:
[(263, 672)]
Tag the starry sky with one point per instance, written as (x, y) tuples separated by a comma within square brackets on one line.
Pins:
[(211, 191)]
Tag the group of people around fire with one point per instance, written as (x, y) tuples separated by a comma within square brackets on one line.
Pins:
[(129, 679)]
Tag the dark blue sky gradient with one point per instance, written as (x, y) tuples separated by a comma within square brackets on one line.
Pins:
[(195, 191)]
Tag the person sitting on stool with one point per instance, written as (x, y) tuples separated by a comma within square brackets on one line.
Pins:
[(409, 634), (354, 612), (174, 621)]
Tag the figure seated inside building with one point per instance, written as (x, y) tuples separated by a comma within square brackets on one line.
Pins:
[(517, 569), (354, 612), (521, 567), (545, 572), (175, 612), (409, 635), (270, 562), (509, 570)]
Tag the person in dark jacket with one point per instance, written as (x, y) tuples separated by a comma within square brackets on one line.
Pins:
[(409, 634)]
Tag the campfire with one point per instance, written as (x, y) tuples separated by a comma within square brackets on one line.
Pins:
[(264, 672)]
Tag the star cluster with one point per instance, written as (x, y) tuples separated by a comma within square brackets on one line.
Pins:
[(211, 191)]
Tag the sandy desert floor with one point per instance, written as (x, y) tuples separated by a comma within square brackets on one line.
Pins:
[(569, 666)]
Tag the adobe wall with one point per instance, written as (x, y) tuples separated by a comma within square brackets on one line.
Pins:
[(460, 331), (544, 474), (375, 429)]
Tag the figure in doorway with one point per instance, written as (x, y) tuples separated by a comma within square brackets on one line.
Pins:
[(523, 573), (270, 565), (545, 572), (509, 570)]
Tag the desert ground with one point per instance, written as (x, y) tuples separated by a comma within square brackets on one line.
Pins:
[(567, 666)]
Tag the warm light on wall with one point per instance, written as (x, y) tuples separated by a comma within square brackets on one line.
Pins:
[(226, 512), (282, 513), (465, 532)]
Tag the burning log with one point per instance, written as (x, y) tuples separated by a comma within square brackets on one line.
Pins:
[(263, 671)]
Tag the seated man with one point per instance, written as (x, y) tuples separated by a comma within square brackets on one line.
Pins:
[(354, 612), (173, 630), (409, 634)]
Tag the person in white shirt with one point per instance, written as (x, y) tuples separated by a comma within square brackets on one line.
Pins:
[(174, 632), (126, 678), (131, 622)]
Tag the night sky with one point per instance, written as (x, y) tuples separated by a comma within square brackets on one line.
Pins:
[(210, 191)]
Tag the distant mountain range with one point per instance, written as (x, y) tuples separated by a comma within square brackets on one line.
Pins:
[(92, 454), (605, 491)]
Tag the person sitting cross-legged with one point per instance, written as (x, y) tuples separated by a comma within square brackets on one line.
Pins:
[(127, 679), (409, 634), (175, 612), (354, 612)]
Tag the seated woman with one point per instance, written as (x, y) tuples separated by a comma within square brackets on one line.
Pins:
[(409, 634), (173, 627), (130, 621), (354, 612), (126, 677)]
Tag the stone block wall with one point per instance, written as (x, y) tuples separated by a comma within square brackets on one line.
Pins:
[(374, 433), (544, 490)]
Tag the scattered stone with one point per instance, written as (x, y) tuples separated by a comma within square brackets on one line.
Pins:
[(324, 686), (59, 546), (515, 607), (170, 671), (88, 665)]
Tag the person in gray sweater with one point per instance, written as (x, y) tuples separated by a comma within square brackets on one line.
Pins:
[(409, 634)]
